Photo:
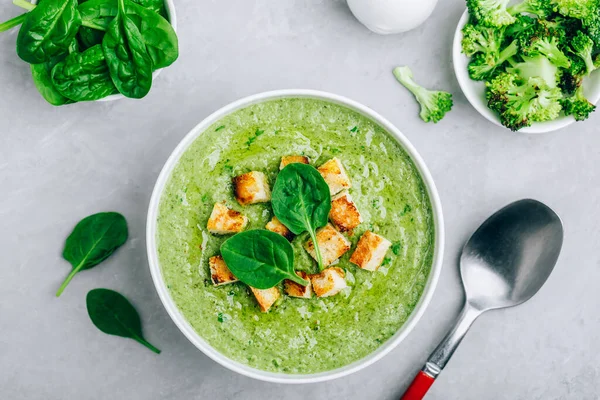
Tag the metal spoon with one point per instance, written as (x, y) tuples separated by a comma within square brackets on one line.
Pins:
[(504, 263)]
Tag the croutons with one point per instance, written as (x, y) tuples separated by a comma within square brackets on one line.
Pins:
[(329, 282), (276, 226), (335, 175), (331, 243), (219, 273), (251, 188), (344, 214), (286, 160), (224, 221), (266, 297), (370, 251), (294, 289)]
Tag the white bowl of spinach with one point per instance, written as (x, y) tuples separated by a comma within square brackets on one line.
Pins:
[(95, 50)]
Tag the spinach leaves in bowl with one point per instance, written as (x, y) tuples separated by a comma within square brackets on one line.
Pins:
[(71, 47)]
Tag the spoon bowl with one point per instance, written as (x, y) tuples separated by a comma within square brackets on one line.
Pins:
[(508, 259)]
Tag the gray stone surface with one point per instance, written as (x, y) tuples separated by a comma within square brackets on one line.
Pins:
[(58, 165)]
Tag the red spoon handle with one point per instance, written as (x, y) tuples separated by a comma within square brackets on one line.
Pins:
[(419, 387)]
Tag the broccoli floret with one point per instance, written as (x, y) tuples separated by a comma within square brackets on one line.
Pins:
[(578, 106), (548, 46), (434, 104), (580, 9), (534, 67), (592, 27), (570, 80), (523, 26), (491, 12), (561, 27), (583, 46), (541, 8), (520, 102), (482, 68), (481, 39)]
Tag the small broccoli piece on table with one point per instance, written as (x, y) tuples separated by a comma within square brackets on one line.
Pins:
[(491, 12), (521, 102), (583, 46), (578, 106), (434, 104), (482, 68)]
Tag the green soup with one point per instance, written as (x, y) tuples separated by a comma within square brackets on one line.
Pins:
[(296, 336)]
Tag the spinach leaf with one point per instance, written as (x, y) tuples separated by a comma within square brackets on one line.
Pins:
[(113, 314), (260, 258), (158, 34), (48, 30), (128, 60), (301, 201), (157, 6), (92, 241), (89, 37), (42, 78), (83, 76)]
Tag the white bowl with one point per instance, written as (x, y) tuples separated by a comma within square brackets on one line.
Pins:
[(475, 90), (182, 323), (172, 17)]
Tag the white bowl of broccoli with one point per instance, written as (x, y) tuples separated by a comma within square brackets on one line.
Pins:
[(522, 79)]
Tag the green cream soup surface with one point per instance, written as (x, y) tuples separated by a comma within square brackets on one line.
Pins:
[(297, 336)]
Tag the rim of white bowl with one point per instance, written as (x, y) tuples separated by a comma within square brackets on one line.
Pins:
[(172, 17), (246, 370), (474, 91)]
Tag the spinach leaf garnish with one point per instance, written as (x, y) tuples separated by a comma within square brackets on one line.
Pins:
[(113, 314), (260, 258), (301, 201), (92, 241)]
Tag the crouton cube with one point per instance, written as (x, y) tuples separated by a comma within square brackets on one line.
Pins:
[(266, 297), (251, 188), (332, 244), (294, 289), (224, 221), (219, 273), (329, 282), (370, 251), (276, 226), (344, 214), (335, 175), (287, 160)]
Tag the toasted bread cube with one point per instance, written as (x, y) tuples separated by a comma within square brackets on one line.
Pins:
[(224, 220), (344, 214), (287, 160), (266, 297), (276, 226), (329, 282), (335, 175), (370, 251), (294, 289), (332, 244), (251, 188), (219, 272)]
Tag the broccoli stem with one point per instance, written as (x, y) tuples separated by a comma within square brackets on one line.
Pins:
[(405, 77)]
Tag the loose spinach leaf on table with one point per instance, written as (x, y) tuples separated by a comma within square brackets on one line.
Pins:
[(84, 76), (158, 34), (92, 241), (128, 60), (260, 258), (113, 314), (301, 201), (48, 30)]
